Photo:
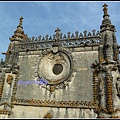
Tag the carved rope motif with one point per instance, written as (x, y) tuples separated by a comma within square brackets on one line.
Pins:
[(6, 112), (95, 93), (1, 87), (109, 93), (53, 103)]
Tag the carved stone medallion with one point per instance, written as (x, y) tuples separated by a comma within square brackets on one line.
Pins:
[(55, 67)]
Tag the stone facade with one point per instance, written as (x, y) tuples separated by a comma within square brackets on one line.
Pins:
[(62, 76)]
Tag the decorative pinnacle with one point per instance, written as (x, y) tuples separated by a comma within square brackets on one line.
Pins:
[(105, 10), (20, 23)]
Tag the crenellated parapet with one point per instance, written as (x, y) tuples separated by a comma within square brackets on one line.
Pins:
[(60, 36), (69, 40)]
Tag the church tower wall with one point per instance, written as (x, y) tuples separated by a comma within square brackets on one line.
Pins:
[(62, 76)]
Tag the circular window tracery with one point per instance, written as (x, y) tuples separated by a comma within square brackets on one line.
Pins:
[(55, 67)]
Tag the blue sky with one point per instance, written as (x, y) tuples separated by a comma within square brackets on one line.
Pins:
[(42, 18)]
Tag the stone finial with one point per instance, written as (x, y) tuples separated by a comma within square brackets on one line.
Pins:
[(84, 33), (76, 34), (68, 34), (57, 30), (33, 38), (60, 35), (106, 22), (93, 31), (57, 33), (50, 38), (19, 33), (72, 36), (20, 23), (39, 37), (46, 37), (64, 36), (105, 9), (81, 35)]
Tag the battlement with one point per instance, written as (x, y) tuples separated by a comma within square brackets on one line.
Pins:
[(69, 40)]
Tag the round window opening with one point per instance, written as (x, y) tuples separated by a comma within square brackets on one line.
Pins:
[(57, 69)]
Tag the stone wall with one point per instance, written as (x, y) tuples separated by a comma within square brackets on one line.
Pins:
[(39, 112), (80, 88)]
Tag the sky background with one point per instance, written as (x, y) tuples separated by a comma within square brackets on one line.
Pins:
[(42, 18)]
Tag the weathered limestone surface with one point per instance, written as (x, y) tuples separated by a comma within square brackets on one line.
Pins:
[(80, 88)]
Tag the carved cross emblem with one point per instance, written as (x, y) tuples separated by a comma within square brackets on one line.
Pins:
[(105, 9), (20, 21)]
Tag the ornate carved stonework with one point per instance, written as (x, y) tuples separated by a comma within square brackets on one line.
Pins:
[(7, 112), (56, 68), (9, 79), (80, 72), (53, 103), (118, 86)]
